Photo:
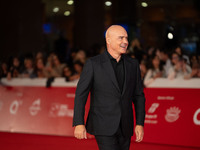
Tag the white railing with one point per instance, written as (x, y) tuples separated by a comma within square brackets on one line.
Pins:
[(60, 82)]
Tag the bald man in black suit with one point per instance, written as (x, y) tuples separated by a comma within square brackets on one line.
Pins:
[(114, 81)]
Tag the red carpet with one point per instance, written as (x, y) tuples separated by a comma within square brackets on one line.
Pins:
[(14, 141)]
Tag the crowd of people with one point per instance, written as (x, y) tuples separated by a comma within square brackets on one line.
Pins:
[(39, 66), (164, 63), (154, 63)]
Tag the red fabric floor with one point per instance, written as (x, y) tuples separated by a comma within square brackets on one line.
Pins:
[(15, 141)]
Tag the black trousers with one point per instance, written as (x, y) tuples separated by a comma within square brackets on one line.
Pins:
[(114, 142)]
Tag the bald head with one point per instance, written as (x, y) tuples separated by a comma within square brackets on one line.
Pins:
[(116, 40), (113, 29)]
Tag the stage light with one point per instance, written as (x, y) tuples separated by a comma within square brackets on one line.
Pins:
[(170, 36), (67, 13), (108, 3), (55, 9), (144, 4), (70, 2)]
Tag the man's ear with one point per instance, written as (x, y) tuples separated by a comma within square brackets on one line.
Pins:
[(108, 40)]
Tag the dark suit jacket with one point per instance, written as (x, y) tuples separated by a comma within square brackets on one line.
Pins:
[(108, 105)]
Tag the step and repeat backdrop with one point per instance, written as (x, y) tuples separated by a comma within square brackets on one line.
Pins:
[(172, 109)]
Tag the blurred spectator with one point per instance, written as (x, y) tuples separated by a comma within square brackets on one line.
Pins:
[(150, 51), (164, 56), (180, 68), (195, 72), (143, 68), (179, 51), (67, 73), (80, 56), (78, 67), (134, 46), (155, 71), (135, 50), (39, 55), (157, 53), (15, 69), (40, 70), (28, 72), (3, 70), (50, 60), (194, 60), (55, 68), (195, 68)]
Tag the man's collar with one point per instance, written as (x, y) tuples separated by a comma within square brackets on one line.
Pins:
[(110, 57)]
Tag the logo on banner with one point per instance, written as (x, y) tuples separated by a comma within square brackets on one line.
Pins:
[(35, 107), (170, 98), (60, 110), (15, 106), (70, 95), (152, 118), (172, 114), (1, 105), (153, 107), (195, 117)]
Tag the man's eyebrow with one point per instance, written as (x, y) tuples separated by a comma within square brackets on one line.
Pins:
[(121, 36)]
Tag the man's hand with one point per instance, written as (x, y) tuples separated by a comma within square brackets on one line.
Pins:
[(80, 132), (139, 131)]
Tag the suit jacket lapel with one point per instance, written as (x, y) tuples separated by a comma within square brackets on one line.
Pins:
[(126, 74), (109, 70)]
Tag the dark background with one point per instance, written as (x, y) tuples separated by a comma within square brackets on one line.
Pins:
[(32, 26)]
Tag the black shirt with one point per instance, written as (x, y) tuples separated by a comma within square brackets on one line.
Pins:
[(118, 69)]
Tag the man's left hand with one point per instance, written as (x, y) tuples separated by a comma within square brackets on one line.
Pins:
[(139, 131)]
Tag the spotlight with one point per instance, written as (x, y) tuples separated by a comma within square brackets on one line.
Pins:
[(170, 36), (144, 4), (108, 3), (70, 2), (55, 9), (67, 13)]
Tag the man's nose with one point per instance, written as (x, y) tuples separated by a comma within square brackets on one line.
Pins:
[(125, 40)]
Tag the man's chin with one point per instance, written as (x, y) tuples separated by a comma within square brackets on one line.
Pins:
[(123, 51)]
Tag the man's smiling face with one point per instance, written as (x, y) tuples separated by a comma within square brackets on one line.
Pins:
[(117, 39)]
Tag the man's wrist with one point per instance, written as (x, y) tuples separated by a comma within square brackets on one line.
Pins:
[(79, 125), (140, 125)]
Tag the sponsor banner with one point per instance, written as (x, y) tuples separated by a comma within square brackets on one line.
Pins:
[(172, 114), (37, 110)]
